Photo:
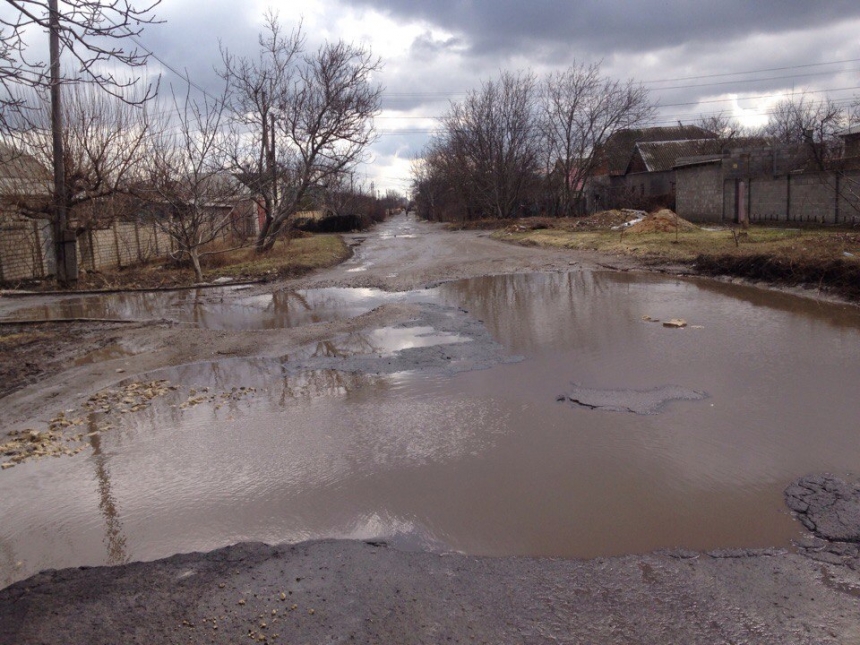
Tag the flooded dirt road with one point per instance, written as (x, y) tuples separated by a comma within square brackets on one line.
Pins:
[(454, 418)]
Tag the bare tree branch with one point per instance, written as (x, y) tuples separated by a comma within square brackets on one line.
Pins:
[(814, 124), (187, 191), (298, 119), (93, 32), (580, 109), (490, 140), (104, 145)]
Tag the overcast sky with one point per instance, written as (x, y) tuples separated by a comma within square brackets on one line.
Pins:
[(694, 57)]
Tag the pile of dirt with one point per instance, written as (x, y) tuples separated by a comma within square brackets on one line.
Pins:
[(662, 221), (605, 220)]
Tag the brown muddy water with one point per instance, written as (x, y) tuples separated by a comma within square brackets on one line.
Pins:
[(484, 462), (207, 308)]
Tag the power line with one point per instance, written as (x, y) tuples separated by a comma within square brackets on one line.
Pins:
[(757, 71), (167, 65), (443, 94)]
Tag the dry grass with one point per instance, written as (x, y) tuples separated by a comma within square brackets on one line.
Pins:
[(823, 258), (286, 259), (301, 255), (687, 246)]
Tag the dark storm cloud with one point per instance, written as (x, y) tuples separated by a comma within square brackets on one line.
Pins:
[(611, 25), (188, 39)]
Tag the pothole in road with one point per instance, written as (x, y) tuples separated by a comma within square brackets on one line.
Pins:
[(364, 435)]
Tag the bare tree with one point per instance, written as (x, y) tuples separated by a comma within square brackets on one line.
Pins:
[(580, 109), (441, 190), (103, 144), (300, 119), (91, 32), (814, 124), (725, 126), (94, 33), (340, 196), (187, 192), (854, 111), (490, 140)]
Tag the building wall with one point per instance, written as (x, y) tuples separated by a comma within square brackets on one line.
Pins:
[(699, 193), (822, 197), (849, 198), (767, 198), (813, 198)]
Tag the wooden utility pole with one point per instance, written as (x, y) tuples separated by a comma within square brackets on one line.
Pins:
[(64, 239)]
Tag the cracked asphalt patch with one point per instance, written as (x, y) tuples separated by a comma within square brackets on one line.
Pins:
[(624, 400), (475, 350), (827, 506)]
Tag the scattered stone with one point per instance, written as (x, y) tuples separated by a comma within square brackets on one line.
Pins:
[(676, 323)]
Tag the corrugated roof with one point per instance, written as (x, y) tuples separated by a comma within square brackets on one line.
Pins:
[(659, 156), (686, 162), (619, 147)]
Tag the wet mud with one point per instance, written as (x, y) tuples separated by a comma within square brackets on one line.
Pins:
[(828, 506)]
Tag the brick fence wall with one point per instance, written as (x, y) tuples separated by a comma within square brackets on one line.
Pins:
[(25, 250), (26, 247), (699, 192), (708, 193)]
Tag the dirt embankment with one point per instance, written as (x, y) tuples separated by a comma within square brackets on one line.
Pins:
[(825, 260)]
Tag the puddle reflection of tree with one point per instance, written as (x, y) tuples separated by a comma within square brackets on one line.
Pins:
[(115, 541), (110, 306), (320, 383), (352, 344), (541, 308), (281, 306)]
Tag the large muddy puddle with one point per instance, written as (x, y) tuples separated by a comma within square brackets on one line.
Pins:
[(497, 461), (210, 308)]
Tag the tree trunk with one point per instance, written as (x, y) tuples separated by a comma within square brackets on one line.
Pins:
[(262, 244), (195, 262)]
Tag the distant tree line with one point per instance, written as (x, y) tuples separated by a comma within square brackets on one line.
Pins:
[(523, 145), (520, 145)]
